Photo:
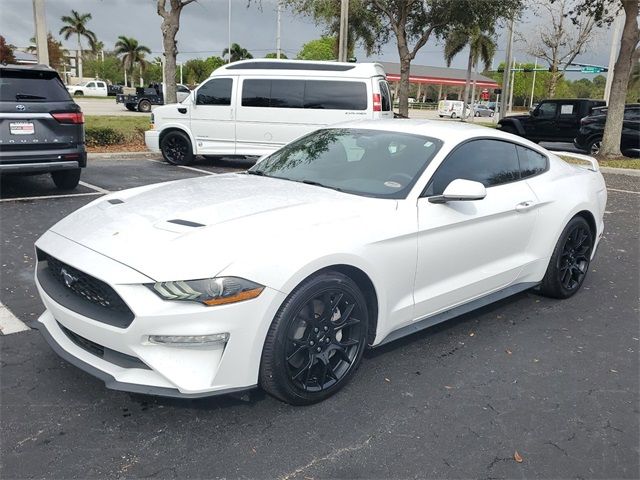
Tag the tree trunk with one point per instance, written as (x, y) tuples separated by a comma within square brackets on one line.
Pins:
[(553, 80), (170, 27), (621, 72), (403, 86), (467, 83), (79, 60), (473, 92)]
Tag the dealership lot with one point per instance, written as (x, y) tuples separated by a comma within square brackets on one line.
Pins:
[(555, 380)]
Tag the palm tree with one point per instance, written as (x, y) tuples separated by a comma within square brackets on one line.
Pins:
[(482, 47), (131, 53), (76, 24), (237, 53)]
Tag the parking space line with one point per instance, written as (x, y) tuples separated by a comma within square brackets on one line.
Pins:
[(623, 191), (9, 323), (49, 197), (182, 166), (94, 187)]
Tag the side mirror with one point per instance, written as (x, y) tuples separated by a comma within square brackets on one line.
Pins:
[(535, 112), (459, 191)]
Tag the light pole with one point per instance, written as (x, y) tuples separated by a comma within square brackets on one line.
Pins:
[(507, 71), (278, 30), (40, 21), (229, 31), (533, 84), (344, 28)]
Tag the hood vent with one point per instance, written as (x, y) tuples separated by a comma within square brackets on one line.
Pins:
[(115, 201), (185, 223)]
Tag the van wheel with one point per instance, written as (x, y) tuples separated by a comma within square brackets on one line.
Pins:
[(78, 93), (66, 179), (176, 148), (144, 106), (453, 115)]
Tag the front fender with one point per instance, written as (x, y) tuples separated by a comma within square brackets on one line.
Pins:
[(513, 123)]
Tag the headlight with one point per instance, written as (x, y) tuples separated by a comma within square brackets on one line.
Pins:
[(211, 291)]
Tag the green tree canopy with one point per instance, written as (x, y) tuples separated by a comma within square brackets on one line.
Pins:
[(237, 53), (131, 53), (320, 49)]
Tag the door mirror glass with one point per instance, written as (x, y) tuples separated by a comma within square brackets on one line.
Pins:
[(461, 190)]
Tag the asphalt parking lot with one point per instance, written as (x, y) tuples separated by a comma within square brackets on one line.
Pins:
[(556, 381)]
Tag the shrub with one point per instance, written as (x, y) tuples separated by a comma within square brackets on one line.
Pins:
[(103, 136)]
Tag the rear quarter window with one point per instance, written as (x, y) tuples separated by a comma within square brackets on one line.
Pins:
[(531, 162), (31, 86)]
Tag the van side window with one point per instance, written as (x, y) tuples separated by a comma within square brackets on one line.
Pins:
[(329, 95), (531, 162), (490, 162), (386, 96), (273, 93), (215, 92)]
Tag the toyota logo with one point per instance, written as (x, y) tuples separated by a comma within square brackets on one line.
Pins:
[(69, 279), (21, 108)]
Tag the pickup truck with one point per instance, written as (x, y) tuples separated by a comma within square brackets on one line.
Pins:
[(94, 88), (555, 120), (144, 98)]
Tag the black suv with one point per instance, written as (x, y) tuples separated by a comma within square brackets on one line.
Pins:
[(592, 129), (41, 127)]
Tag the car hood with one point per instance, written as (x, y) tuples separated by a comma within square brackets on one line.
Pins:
[(195, 228)]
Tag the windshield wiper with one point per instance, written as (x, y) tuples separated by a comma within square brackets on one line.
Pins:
[(256, 172), (318, 184), (28, 96)]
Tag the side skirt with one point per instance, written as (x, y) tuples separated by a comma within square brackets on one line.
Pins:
[(456, 311)]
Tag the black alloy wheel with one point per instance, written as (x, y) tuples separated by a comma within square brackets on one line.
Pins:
[(176, 148), (570, 260), (316, 341)]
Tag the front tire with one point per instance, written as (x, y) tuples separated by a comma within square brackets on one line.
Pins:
[(78, 93), (316, 340), (66, 179), (453, 115), (176, 148), (594, 146), (570, 260)]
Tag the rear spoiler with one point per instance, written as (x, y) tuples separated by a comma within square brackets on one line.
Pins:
[(593, 163)]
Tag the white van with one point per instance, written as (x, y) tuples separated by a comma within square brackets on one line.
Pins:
[(253, 107), (452, 108)]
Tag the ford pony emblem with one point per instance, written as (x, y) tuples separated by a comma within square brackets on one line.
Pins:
[(69, 279)]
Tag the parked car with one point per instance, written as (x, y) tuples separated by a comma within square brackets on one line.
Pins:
[(41, 127), (452, 108), (94, 88), (254, 107), (592, 128), (368, 231), (481, 110), (555, 120), (493, 106), (144, 98)]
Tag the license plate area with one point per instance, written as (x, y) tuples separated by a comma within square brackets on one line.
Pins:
[(22, 128)]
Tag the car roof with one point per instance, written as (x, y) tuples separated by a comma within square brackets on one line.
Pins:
[(449, 132), (33, 67), (268, 66)]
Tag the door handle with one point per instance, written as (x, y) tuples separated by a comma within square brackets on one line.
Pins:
[(182, 110), (525, 206)]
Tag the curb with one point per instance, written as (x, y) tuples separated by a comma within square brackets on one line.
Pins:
[(123, 155), (621, 171)]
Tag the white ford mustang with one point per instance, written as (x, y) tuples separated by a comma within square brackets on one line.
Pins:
[(349, 237)]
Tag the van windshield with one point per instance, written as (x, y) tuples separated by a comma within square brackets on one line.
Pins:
[(371, 163)]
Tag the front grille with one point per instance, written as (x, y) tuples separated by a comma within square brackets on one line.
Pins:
[(111, 356), (82, 293)]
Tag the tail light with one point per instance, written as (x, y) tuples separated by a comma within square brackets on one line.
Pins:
[(69, 117), (377, 102)]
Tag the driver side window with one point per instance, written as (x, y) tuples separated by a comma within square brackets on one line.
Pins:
[(547, 110), (490, 162), (215, 92)]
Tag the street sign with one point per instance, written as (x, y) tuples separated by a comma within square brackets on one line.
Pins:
[(592, 69)]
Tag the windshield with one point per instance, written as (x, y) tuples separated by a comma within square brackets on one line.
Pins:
[(372, 163)]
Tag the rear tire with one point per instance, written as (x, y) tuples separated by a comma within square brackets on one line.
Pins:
[(453, 115), (78, 93), (144, 106), (316, 340), (130, 107), (570, 260), (176, 148), (66, 179), (593, 148)]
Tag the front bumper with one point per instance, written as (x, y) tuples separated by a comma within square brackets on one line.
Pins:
[(166, 370), (152, 140)]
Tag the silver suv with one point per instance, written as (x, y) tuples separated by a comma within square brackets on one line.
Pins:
[(41, 127)]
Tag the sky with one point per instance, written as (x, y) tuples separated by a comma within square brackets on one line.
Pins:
[(204, 29)]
